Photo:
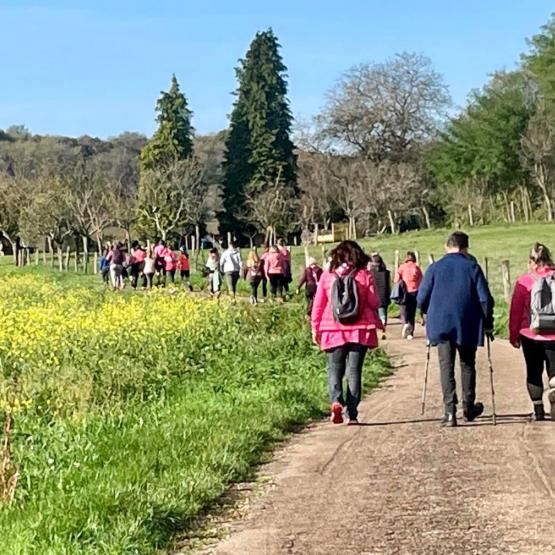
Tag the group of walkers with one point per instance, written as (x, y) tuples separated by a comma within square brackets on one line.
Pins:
[(151, 266), (350, 308)]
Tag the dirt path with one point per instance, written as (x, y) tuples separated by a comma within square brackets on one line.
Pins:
[(412, 487)]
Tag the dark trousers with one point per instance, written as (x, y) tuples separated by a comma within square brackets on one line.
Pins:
[(408, 311), (276, 285), (231, 279), (264, 287), (537, 355), (346, 360), (310, 292), (254, 283), (135, 270), (467, 355)]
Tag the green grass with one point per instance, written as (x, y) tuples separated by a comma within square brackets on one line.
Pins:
[(127, 440)]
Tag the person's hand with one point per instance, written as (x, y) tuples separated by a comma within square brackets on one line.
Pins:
[(315, 337), (516, 343), (298, 291), (489, 335)]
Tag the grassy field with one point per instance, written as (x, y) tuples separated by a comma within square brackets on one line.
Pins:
[(132, 413)]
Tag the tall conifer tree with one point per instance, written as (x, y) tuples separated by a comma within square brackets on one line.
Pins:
[(259, 149), (173, 140)]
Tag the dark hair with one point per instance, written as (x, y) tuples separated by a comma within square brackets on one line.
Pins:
[(378, 261), (233, 244), (410, 256), (135, 244), (214, 251), (458, 240), (350, 253), (540, 255)]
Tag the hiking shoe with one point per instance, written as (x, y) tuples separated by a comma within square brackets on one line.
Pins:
[(404, 331), (384, 336), (539, 413), (410, 337), (353, 422), (449, 420), (336, 413), (471, 412)]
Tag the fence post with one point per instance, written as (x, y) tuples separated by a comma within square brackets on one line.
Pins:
[(66, 262), (506, 271), (315, 234), (60, 259), (36, 257), (76, 262), (431, 259), (417, 255), (95, 269), (44, 257), (396, 260)]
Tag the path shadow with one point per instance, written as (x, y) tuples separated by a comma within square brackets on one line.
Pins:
[(484, 420)]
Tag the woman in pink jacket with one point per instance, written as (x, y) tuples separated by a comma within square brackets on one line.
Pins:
[(346, 344), (410, 273), (538, 350)]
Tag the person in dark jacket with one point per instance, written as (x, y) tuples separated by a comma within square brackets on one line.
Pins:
[(310, 278), (457, 301), (382, 282)]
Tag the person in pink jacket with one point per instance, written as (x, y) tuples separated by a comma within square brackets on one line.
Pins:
[(346, 344), (411, 275), (538, 350), (274, 268)]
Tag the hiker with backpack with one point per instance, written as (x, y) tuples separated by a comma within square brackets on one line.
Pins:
[(409, 275), (456, 299), (344, 323), (382, 280), (274, 268), (231, 265), (253, 273), (310, 278), (116, 258), (532, 325)]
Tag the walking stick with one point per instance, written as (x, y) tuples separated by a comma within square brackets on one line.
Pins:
[(494, 417), (428, 347)]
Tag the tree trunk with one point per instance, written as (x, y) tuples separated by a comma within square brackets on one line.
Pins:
[(85, 254), (470, 217), (391, 222), (426, 217)]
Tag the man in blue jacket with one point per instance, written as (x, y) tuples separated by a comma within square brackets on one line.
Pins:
[(456, 299)]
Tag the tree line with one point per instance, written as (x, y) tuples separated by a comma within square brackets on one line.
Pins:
[(384, 154)]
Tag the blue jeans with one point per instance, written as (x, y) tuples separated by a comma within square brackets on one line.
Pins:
[(346, 360)]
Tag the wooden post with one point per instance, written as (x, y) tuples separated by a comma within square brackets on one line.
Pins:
[(60, 259), (75, 262), (431, 259), (193, 244), (513, 216), (417, 255), (295, 241), (44, 257), (486, 267), (506, 271), (396, 260), (85, 255), (36, 257), (66, 262), (95, 262), (315, 234), (391, 222), (470, 217), (228, 238)]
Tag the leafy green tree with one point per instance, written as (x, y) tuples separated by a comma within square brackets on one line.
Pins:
[(173, 140), (259, 150), (540, 62)]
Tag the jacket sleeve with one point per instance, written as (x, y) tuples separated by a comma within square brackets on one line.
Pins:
[(518, 306), (320, 302), (388, 285), (425, 290), (398, 274), (486, 299)]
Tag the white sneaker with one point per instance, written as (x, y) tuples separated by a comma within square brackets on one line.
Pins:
[(404, 331), (551, 397), (410, 337)]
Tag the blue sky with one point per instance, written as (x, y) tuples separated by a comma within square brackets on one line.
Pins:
[(83, 67)]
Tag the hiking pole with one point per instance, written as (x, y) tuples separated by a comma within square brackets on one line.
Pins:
[(494, 416), (428, 348)]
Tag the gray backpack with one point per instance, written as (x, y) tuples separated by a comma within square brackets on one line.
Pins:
[(542, 304), (344, 298)]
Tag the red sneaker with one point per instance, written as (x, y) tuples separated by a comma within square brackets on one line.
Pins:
[(336, 413)]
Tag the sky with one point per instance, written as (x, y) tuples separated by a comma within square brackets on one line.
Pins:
[(97, 67)]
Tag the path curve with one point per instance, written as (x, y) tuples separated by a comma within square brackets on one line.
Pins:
[(412, 488)]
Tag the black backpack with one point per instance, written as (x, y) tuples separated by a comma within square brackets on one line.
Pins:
[(344, 299)]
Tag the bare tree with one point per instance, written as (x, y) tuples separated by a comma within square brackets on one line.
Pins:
[(385, 110), (539, 155)]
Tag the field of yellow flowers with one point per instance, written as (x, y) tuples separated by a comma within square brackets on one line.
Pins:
[(130, 414)]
